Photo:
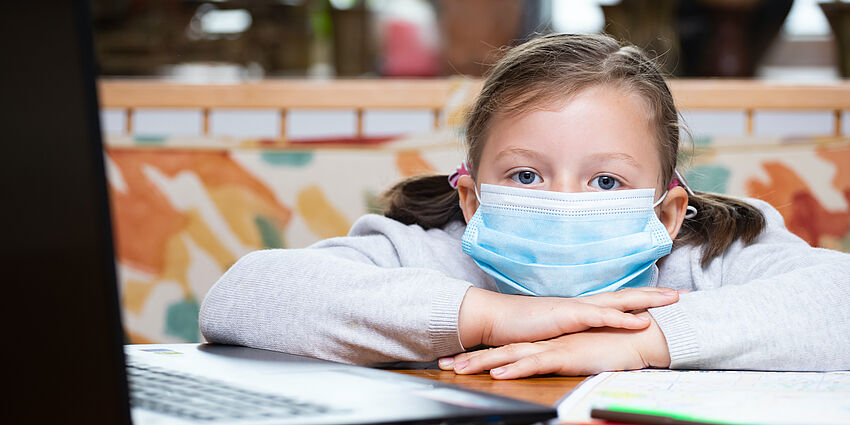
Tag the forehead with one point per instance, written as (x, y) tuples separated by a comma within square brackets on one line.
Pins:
[(597, 119)]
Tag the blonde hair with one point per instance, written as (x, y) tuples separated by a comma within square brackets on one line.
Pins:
[(551, 69)]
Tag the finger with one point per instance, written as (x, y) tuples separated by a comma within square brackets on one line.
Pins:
[(446, 363), (626, 300), (550, 361), (462, 360), (496, 357), (646, 289), (643, 289), (628, 291), (592, 316), (464, 357)]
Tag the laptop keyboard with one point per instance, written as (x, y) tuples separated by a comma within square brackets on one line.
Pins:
[(202, 399)]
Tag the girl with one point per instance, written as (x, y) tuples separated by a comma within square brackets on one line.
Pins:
[(571, 197)]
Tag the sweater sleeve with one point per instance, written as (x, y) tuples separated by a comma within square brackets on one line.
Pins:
[(776, 304), (359, 299)]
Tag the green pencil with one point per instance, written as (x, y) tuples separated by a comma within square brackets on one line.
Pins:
[(634, 415)]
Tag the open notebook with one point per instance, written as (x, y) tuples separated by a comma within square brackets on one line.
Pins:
[(728, 397)]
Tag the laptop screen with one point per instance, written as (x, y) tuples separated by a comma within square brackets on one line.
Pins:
[(63, 337), (62, 320)]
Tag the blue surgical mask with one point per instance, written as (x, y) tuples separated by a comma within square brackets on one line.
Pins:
[(544, 243)]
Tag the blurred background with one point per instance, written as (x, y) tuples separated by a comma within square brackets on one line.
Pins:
[(226, 40), (237, 125)]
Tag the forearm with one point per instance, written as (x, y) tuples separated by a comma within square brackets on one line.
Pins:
[(496, 319), (794, 321), (310, 303)]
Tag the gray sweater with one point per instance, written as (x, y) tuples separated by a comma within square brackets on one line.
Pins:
[(391, 292)]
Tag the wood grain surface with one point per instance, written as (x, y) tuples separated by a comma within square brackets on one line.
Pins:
[(542, 390)]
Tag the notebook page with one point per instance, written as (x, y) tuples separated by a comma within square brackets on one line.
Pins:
[(722, 396)]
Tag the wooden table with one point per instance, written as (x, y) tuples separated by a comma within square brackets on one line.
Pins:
[(542, 390)]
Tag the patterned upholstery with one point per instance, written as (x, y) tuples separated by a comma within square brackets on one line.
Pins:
[(183, 216)]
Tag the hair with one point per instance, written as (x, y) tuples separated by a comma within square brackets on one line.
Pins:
[(550, 70)]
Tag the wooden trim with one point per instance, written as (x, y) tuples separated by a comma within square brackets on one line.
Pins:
[(205, 126), (359, 117), (283, 116), (433, 94), (837, 118), (750, 114), (276, 94), (128, 121), (742, 94)]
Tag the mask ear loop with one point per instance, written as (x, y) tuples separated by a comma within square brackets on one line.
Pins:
[(692, 211), (660, 200)]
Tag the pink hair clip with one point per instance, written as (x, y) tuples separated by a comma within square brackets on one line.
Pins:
[(679, 180), (460, 171), (673, 183)]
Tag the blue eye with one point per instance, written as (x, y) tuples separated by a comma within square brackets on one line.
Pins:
[(605, 183), (526, 177)]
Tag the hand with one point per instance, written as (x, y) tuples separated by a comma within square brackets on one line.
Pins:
[(496, 319), (583, 353)]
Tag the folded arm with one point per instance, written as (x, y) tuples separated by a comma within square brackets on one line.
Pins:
[(318, 303), (777, 304)]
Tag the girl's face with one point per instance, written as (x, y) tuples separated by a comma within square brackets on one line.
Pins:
[(602, 139)]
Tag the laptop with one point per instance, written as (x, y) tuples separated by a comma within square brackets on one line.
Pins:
[(65, 358)]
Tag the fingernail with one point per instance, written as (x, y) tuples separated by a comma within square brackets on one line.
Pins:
[(669, 293), (460, 365), (497, 371), (446, 362), (642, 318)]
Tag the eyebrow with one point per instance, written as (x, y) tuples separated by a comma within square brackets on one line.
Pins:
[(520, 152), (617, 156)]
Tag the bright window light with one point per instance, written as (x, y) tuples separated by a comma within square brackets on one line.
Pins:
[(806, 18), (225, 21), (578, 16)]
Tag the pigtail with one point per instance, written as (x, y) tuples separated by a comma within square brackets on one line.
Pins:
[(719, 222), (428, 201)]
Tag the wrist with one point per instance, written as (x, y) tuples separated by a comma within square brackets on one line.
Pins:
[(652, 345), (472, 317)]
